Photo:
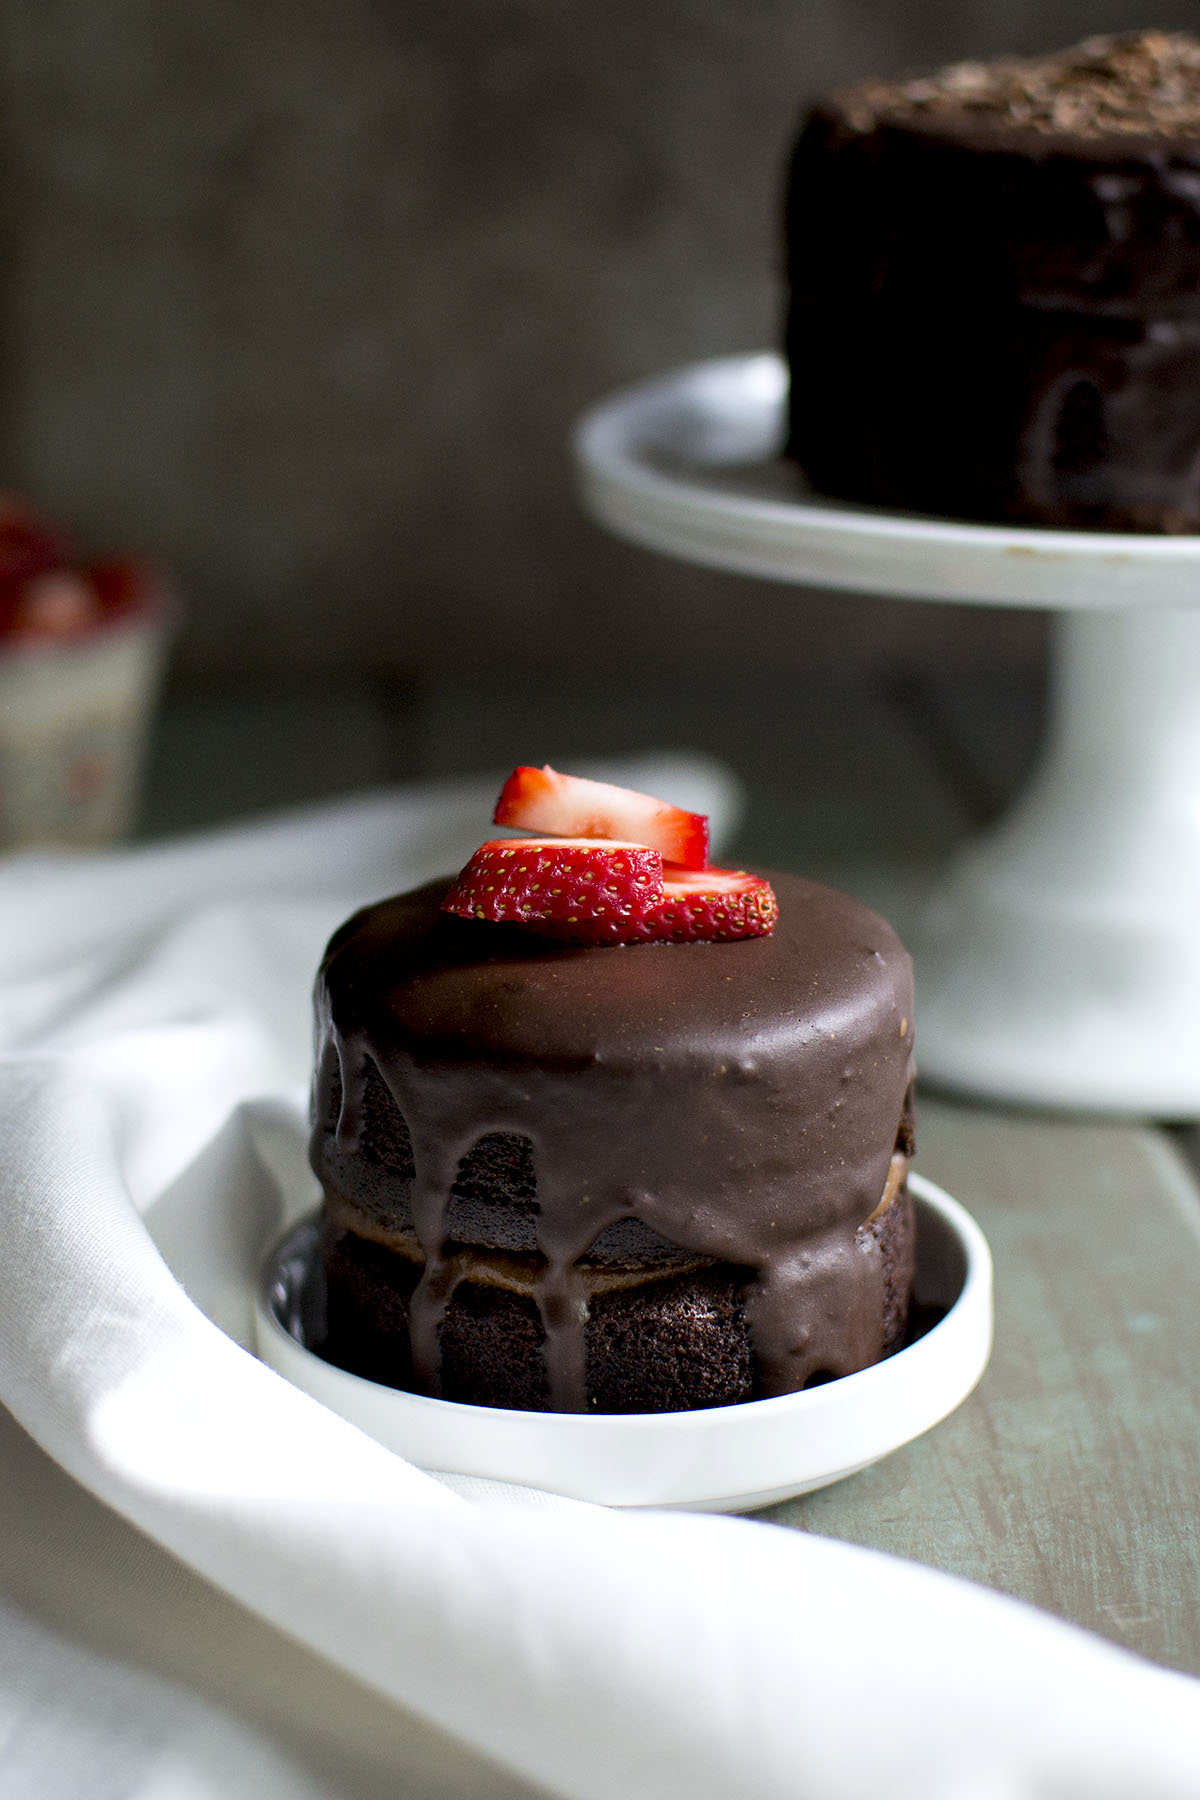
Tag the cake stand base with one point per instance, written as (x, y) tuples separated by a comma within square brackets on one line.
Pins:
[(1059, 963)]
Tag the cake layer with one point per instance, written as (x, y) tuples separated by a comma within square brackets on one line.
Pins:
[(661, 1341), (735, 1102), (994, 290), (493, 1201)]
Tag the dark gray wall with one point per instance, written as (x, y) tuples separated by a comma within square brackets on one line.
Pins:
[(305, 296)]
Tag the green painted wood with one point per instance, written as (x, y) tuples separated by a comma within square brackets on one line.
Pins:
[(1071, 1478)]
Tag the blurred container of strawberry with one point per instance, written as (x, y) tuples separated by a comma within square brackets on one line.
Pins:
[(82, 648)]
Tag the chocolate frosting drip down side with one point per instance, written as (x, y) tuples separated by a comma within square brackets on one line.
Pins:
[(741, 1100), (994, 290)]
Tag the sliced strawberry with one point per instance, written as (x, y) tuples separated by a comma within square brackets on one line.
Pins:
[(713, 904), (568, 806), (696, 906), (559, 882)]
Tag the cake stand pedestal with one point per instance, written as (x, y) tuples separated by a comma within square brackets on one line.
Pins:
[(1058, 963)]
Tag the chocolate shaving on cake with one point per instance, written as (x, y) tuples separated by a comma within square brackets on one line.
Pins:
[(1142, 84)]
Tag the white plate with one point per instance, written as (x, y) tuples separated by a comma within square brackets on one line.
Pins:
[(720, 1459), (689, 465)]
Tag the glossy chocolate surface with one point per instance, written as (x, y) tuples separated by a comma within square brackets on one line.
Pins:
[(741, 1100)]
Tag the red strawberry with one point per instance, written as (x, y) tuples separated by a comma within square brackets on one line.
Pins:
[(125, 584), (695, 906), (29, 547), (568, 806), (58, 603), (559, 883), (28, 542), (713, 904), (605, 891)]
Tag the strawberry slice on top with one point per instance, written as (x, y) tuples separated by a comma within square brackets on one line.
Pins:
[(556, 882), (696, 906), (713, 904), (569, 806), (611, 871), (591, 891)]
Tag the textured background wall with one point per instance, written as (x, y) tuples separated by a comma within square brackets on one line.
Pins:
[(305, 297)]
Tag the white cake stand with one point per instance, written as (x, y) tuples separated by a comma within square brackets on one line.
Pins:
[(1059, 962)]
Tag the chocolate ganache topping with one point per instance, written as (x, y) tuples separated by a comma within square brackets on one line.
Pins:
[(741, 1100)]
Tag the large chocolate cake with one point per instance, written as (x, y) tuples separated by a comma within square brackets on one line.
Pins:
[(994, 290), (633, 1178)]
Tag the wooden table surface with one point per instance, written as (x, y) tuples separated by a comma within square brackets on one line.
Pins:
[(1071, 1478)]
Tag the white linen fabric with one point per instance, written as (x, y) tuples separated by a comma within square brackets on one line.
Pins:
[(154, 1037)]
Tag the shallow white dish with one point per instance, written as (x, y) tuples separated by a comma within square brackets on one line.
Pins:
[(721, 1459)]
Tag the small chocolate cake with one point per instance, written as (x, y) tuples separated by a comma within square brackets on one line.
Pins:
[(620, 1178), (994, 290)]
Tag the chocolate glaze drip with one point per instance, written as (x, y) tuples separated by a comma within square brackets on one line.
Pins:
[(741, 1100), (994, 290)]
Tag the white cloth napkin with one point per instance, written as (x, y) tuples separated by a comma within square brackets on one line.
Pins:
[(154, 1032)]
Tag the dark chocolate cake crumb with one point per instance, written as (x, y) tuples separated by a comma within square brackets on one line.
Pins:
[(385, 1136), (497, 1170)]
